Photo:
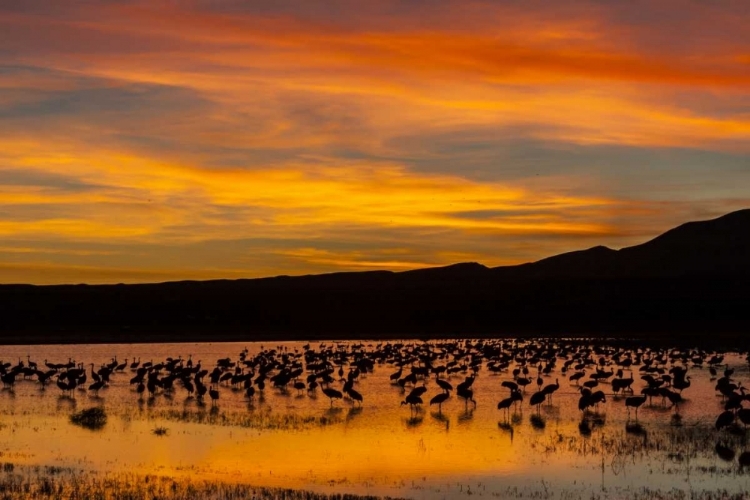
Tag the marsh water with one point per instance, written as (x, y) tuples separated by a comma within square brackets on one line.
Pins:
[(301, 439)]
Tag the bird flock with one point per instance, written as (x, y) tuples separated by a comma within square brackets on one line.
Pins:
[(595, 372)]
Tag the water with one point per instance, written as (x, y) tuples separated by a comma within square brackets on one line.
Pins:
[(297, 439)]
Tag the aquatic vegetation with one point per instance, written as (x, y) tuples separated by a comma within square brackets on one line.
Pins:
[(90, 418), (34, 483), (160, 431)]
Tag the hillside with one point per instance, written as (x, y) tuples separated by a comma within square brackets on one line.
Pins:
[(691, 280)]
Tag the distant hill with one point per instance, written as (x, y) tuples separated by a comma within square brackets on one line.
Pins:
[(691, 281), (714, 247)]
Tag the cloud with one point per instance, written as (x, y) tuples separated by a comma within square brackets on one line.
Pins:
[(330, 135)]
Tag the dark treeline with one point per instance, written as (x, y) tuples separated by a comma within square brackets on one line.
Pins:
[(690, 284)]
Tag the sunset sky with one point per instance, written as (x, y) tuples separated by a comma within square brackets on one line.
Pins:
[(162, 140)]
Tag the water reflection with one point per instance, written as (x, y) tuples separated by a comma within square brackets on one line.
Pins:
[(389, 446)]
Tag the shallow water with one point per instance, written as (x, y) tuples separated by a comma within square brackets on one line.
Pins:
[(292, 439)]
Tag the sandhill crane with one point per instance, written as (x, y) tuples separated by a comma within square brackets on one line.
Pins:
[(418, 391), (506, 403), (744, 415), (549, 389), (444, 385), (214, 394), (523, 382), (725, 420), (96, 386), (634, 402), (467, 395), (537, 399), (724, 452), (510, 385), (412, 400), (356, 396), (332, 394), (439, 400), (576, 377)]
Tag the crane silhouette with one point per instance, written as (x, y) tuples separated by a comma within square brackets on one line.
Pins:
[(332, 394), (439, 400), (444, 385), (549, 389), (634, 402), (413, 401), (537, 399)]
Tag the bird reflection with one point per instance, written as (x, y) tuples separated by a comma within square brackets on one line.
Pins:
[(415, 420), (466, 416), (537, 422), (353, 412), (505, 426)]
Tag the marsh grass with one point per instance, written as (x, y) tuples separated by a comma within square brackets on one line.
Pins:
[(45, 483), (90, 418)]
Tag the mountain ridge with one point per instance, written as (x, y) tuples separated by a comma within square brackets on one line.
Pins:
[(689, 280)]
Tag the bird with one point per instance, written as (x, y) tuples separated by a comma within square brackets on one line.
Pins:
[(549, 389), (439, 400), (96, 386), (537, 399), (576, 377), (725, 453), (412, 400), (634, 402), (418, 391), (355, 396), (724, 420), (467, 395), (506, 403), (523, 382), (444, 385), (744, 415), (214, 394), (332, 394), (510, 385)]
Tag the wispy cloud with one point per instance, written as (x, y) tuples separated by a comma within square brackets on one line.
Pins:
[(277, 137)]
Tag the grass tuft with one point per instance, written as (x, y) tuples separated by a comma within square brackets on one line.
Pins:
[(90, 418)]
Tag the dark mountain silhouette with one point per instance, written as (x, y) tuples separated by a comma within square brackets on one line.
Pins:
[(715, 247), (689, 283)]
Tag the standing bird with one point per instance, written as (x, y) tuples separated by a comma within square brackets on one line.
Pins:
[(96, 386), (467, 395), (510, 385), (725, 420), (444, 385), (439, 400), (537, 399), (356, 396), (634, 402), (549, 389), (332, 394), (214, 394), (412, 400), (506, 403)]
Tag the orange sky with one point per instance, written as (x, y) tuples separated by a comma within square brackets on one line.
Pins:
[(148, 141)]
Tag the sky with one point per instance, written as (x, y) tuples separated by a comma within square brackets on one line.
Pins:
[(199, 139)]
